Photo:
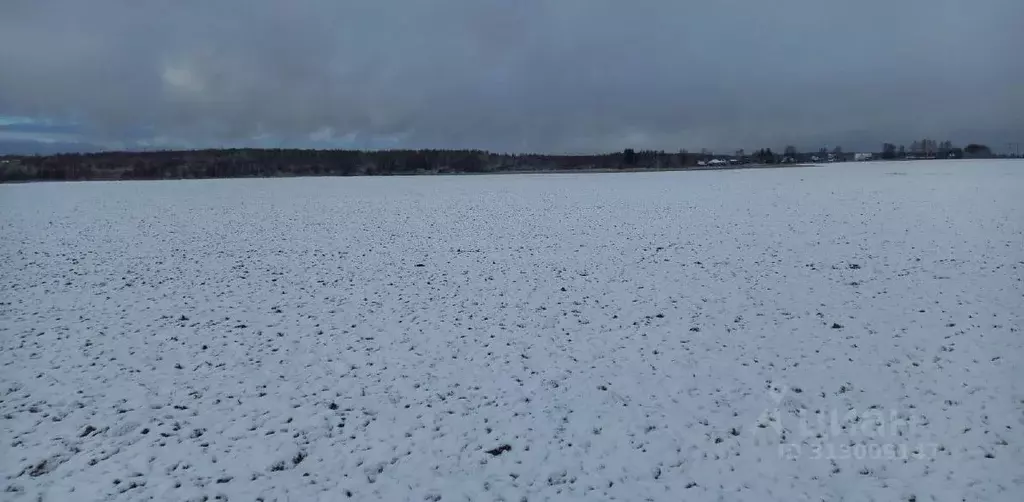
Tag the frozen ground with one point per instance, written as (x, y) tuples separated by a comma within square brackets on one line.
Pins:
[(663, 336)]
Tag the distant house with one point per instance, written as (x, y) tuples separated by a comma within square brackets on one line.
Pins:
[(862, 156)]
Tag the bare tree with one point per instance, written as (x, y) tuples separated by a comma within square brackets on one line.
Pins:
[(926, 148), (789, 154)]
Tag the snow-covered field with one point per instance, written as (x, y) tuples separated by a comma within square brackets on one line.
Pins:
[(846, 332)]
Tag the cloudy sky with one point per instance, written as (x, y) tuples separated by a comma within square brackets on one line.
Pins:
[(525, 75)]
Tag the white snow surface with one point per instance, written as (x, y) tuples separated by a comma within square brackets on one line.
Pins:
[(640, 336)]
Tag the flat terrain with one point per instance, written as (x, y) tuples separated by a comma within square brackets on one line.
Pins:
[(842, 332)]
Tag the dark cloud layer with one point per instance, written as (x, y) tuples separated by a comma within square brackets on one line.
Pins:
[(557, 75)]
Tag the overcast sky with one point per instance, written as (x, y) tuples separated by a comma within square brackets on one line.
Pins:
[(525, 75)]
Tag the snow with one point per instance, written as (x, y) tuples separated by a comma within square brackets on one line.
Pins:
[(843, 332)]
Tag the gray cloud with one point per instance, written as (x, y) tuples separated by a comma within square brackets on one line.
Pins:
[(560, 76)]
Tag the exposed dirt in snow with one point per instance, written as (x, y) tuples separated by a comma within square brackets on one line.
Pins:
[(798, 334)]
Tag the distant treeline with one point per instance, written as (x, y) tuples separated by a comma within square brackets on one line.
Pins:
[(234, 163), (249, 162), (929, 149)]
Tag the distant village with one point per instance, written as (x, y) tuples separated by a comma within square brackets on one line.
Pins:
[(919, 150)]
